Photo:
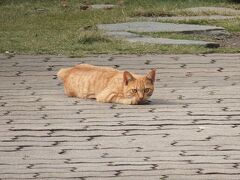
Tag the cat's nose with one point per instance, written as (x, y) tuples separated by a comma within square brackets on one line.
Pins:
[(141, 96)]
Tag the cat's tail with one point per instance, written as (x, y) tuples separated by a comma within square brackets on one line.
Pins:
[(62, 73)]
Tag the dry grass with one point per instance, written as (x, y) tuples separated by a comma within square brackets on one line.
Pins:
[(61, 27)]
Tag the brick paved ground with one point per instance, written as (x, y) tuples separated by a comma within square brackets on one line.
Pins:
[(190, 130)]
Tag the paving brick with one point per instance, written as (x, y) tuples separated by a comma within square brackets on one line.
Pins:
[(65, 175), (204, 176), (17, 175), (188, 130)]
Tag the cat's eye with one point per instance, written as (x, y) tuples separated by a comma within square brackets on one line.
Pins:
[(134, 90), (147, 90)]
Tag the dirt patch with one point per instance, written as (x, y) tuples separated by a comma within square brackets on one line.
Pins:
[(152, 13), (229, 41)]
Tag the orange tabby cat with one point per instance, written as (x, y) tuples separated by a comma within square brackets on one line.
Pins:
[(107, 84)]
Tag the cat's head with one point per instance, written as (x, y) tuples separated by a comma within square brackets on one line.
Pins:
[(140, 88)]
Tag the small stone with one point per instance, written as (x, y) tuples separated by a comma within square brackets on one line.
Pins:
[(103, 6)]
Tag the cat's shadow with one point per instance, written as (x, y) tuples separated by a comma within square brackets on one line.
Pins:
[(159, 102)]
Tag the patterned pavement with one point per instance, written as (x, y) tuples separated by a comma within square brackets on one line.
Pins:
[(189, 131)]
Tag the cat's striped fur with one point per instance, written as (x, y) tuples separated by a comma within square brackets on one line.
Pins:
[(107, 84)]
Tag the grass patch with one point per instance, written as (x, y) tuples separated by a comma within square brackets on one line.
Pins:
[(90, 37), (174, 7), (45, 27), (232, 25)]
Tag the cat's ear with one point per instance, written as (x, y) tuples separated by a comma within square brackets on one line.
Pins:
[(127, 76), (151, 75)]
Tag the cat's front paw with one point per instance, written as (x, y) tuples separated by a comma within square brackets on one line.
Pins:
[(128, 101), (134, 101)]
